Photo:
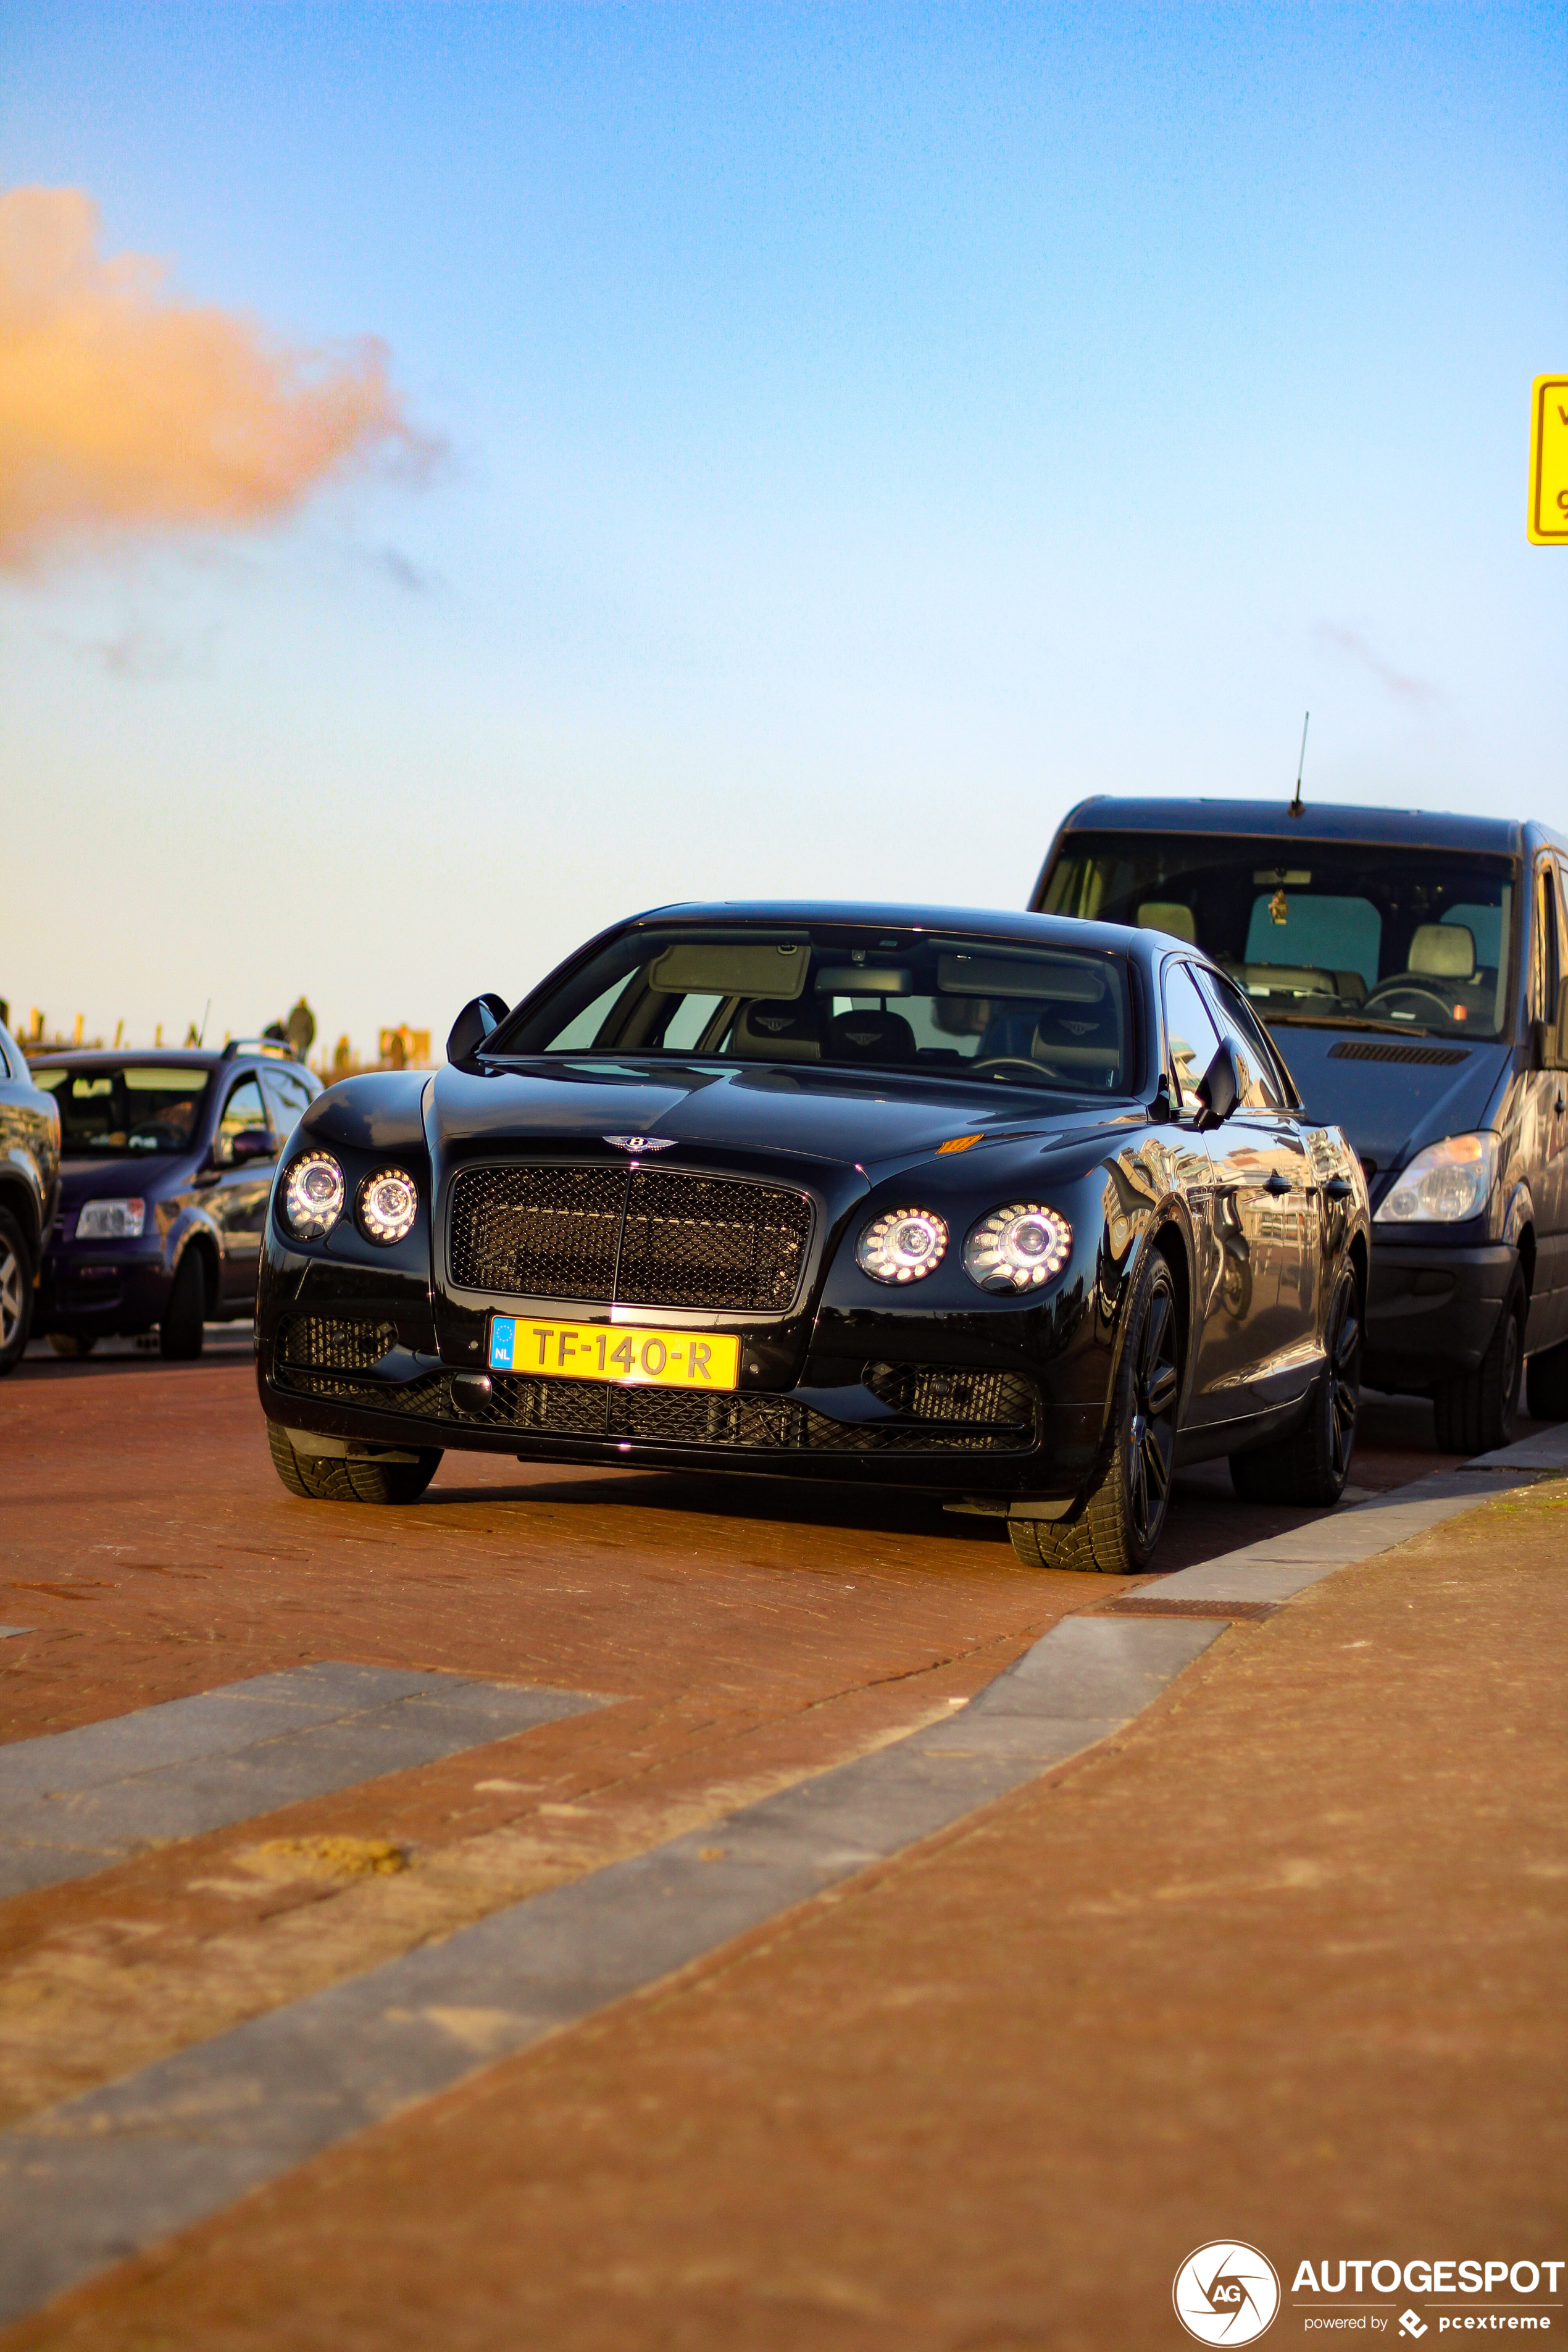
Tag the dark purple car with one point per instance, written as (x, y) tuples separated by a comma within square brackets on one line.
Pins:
[(166, 1161)]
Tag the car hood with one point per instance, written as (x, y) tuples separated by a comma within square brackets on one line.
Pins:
[(804, 1114), (1388, 1106), (115, 1179)]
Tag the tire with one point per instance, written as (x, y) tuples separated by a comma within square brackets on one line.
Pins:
[(1118, 1526), (1478, 1411), (16, 1293), (1311, 1466), (180, 1332), (73, 1345), (334, 1478), (1546, 1384)]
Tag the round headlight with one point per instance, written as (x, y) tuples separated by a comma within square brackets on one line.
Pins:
[(904, 1245), (1018, 1248), (387, 1205), (313, 1196)]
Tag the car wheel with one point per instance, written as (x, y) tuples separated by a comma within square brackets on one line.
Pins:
[(1116, 1530), (1478, 1411), (336, 1478), (73, 1345), (1310, 1467), (1546, 1384), (180, 1333), (16, 1293)]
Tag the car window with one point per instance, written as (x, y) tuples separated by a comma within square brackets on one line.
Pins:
[(289, 1095), (1189, 1032), (107, 1109), (1546, 964), (10, 1059), (1261, 1088), (244, 1108)]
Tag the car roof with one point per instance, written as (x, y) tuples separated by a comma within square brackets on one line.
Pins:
[(1318, 821), (947, 922)]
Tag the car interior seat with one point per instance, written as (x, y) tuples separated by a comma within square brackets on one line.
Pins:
[(1083, 1041), (1168, 915), (778, 1029), (1442, 951), (875, 1035)]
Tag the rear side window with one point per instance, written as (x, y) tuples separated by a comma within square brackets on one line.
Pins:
[(289, 1097), (244, 1109)]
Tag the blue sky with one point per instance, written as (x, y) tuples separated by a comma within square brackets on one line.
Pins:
[(866, 433)]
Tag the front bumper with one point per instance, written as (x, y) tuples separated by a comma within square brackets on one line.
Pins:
[(1431, 1312), (100, 1297), (983, 1432)]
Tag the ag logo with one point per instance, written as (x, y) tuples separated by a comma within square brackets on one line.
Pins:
[(1225, 2293)]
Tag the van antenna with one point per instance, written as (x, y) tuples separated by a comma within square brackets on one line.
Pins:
[(202, 1033), (1296, 809)]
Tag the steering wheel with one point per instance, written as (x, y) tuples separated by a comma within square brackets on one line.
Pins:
[(997, 1062), (1393, 988)]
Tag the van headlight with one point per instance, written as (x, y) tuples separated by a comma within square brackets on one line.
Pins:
[(903, 1246), (1444, 1184), (1018, 1248), (313, 1196), (388, 1204)]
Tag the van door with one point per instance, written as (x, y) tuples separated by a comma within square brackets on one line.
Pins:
[(239, 1202), (1266, 1203)]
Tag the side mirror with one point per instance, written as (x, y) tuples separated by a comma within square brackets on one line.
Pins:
[(473, 1024), (1219, 1089), (251, 1143)]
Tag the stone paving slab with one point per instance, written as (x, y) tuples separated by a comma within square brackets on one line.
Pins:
[(97, 2177), (77, 1801)]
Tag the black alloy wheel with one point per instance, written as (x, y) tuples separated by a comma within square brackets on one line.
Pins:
[(16, 1293), (1116, 1530), (1311, 1466), (180, 1332), (1478, 1411)]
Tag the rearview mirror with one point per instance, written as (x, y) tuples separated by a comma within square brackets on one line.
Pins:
[(473, 1024), (1219, 1088), (250, 1143)]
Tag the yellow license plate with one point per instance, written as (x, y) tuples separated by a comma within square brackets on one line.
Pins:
[(600, 1351)]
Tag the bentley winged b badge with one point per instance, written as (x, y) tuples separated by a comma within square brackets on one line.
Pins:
[(640, 1143)]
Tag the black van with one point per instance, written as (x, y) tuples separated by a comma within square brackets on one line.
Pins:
[(1414, 971)]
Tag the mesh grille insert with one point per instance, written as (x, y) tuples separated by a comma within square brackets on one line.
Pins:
[(527, 1232), (942, 1392), (537, 1232), (334, 1342)]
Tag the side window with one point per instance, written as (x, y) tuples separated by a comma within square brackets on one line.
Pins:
[(244, 1108), (1261, 1088), (9, 1058), (1190, 1033), (1546, 964), (289, 1097)]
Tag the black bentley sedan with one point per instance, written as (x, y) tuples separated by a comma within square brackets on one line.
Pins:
[(1019, 1210), (166, 1161)]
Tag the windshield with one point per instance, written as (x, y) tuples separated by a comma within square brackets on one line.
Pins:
[(1404, 939), (861, 999), (130, 1109)]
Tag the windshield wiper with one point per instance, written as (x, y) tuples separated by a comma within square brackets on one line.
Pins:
[(1350, 1020)]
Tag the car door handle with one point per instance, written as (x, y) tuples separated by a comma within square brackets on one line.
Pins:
[(1278, 1184), (1336, 1189)]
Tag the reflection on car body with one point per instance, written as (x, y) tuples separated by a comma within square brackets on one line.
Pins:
[(883, 1194)]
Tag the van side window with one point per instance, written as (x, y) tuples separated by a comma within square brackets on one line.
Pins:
[(1191, 1037), (1546, 964)]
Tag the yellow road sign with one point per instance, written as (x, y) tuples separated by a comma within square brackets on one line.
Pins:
[(1549, 462)]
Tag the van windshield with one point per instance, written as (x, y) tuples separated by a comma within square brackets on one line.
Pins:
[(133, 1109), (993, 1010), (1317, 933)]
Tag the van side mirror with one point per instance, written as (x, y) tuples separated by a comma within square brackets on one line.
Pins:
[(1219, 1089), (473, 1024)]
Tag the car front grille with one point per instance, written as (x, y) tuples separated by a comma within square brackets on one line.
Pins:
[(743, 1422), (333, 1343), (941, 1393), (637, 1237)]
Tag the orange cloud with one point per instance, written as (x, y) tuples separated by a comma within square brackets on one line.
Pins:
[(125, 413)]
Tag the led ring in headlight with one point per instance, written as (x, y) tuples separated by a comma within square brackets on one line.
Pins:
[(903, 1245), (313, 1196), (1018, 1248), (388, 1203)]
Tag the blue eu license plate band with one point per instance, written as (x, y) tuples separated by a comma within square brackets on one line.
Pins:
[(600, 1351)]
